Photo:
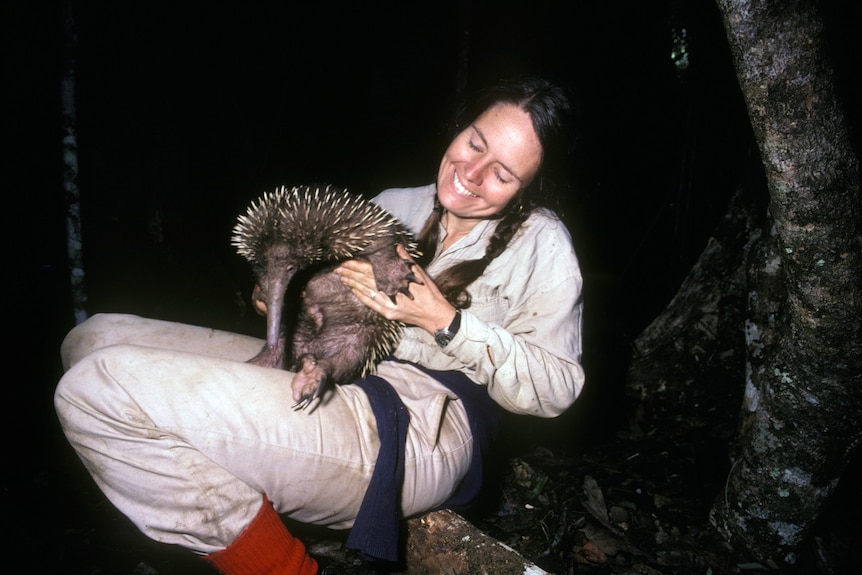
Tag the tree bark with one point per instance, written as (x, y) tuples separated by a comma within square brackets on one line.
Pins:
[(802, 414), (70, 173)]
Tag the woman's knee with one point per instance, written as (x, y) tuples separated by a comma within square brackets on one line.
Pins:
[(69, 397), (87, 337), (87, 383), (75, 386)]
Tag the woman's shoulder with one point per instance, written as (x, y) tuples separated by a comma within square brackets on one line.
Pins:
[(544, 241), (541, 257), (543, 227), (411, 206), (395, 197)]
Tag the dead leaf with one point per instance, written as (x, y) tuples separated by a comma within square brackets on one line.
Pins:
[(594, 500), (590, 553)]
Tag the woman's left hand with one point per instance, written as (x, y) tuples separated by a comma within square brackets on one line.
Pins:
[(427, 308), (257, 300)]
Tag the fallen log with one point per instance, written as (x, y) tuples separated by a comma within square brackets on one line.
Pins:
[(444, 542), (437, 543)]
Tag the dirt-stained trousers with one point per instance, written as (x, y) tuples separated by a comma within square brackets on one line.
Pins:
[(184, 437)]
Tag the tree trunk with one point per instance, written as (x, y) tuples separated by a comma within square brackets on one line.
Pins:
[(70, 172), (802, 414)]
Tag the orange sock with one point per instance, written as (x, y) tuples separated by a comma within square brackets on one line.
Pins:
[(266, 547)]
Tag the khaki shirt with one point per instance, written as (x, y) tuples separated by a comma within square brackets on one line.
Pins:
[(521, 336)]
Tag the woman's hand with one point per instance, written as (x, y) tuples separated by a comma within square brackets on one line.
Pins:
[(257, 302), (427, 308)]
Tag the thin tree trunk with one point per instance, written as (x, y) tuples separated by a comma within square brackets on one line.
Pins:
[(70, 172), (803, 410)]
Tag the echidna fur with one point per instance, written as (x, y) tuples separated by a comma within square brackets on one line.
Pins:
[(291, 229)]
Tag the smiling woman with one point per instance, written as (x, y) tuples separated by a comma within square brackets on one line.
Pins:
[(510, 156), (485, 167), (201, 449)]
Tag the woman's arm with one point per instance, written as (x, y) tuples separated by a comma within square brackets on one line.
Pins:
[(530, 357), (531, 364)]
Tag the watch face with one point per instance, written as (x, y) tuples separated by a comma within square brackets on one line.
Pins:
[(442, 337)]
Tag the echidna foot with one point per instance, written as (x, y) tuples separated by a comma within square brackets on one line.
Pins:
[(308, 382), (408, 278), (411, 277), (405, 291)]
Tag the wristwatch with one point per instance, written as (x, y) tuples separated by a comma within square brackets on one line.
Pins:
[(444, 336)]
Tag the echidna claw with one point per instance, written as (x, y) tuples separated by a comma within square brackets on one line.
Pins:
[(405, 291), (305, 401), (411, 277)]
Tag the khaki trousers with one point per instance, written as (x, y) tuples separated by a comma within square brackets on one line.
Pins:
[(184, 437)]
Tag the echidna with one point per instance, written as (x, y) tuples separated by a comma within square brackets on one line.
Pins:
[(302, 233)]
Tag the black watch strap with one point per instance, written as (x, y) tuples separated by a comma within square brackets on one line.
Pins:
[(444, 336)]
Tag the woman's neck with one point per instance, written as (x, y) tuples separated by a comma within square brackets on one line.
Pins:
[(456, 228)]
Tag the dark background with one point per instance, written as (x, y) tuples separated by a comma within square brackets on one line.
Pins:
[(186, 114)]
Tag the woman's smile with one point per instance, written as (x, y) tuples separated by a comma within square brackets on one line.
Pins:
[(487, 164), (459, 187)]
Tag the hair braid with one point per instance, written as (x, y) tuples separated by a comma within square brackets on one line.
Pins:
[(453, 282)]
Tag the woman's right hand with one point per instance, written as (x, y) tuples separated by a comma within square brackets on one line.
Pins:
[(427, 308)]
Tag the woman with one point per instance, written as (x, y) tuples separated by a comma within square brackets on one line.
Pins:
[(202, 450)]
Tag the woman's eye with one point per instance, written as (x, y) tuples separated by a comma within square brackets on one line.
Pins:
[(501, 177), (473, 146)]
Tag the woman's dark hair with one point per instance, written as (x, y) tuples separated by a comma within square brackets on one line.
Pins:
[(549, 108)]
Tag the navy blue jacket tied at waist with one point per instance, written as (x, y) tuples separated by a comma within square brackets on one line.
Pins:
[(375, 533)]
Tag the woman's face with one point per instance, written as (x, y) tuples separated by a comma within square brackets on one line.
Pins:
[(488, 163)]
